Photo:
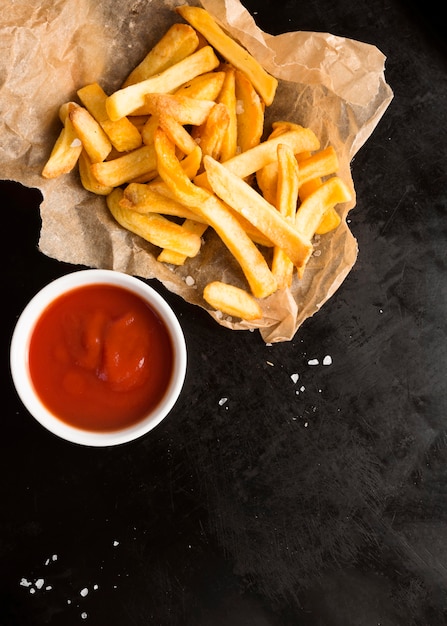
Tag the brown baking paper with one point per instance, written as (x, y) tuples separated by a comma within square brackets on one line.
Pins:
[(50, 49)]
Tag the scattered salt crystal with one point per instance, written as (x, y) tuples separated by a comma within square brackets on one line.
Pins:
[(295, 377), (25, 583), (312, 362), (189, 280), (327, 360), (239, 107), (84, 592), (95, 587), (39, 583), (302, 388), (84, 615), (48, 588), (116, 543), (270, 363), (75, 143), (223, 401), (316, 253), (32, 590), (306, 424)]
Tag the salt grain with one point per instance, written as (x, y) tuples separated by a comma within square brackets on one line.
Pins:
[(75, 143), (223, 401), (295, 377), (327, 360), (189, 280), (84, 592), (313, 362)]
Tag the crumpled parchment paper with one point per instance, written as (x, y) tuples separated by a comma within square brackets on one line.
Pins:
[(51, 48)]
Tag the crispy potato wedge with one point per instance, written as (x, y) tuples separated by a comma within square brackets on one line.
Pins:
[(232, 301), (177, 43), (154, 228), (131, 100), (264, 83)]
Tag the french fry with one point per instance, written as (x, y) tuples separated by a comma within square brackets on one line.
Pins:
[(227, 97), (232, 300), (123, 135), (93, 138), (154, 228), (174, 258), (287, 198), (177, 133), (247, 201), (126, 168), (214, 212), (130, 100), (204, 87), (65, 152), (249, 113), (183, 109), (143, 198), (210, 136), (177, 43), (249, 162), (149, 128), (264, 83), (88, 179), (311, 210)]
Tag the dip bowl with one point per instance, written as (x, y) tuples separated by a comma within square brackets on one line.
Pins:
[(102, 360)]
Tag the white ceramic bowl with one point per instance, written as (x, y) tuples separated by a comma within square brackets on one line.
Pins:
[(20, 346)]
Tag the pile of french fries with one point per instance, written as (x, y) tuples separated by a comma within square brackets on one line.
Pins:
[(182, 147)]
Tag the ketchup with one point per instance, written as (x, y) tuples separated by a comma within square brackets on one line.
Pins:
[(100, 358)]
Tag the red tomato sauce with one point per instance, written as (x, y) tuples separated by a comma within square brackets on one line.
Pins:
[(100, 358)]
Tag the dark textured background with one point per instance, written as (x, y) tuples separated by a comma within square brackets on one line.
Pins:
[(326, 507)]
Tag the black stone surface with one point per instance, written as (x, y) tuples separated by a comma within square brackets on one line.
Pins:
[(325, 507)]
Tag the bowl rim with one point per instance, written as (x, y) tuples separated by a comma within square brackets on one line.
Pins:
[(20, 342)]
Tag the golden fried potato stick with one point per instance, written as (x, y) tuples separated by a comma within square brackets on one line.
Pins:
[(123, 135), (210, 136), (287, 198), (227, 97), (203, 87), (246, 200), (259, 277), (232, 300), (144, 198), (130, 100), (88, 179), (66, 150), (234, 53), (126, 168), (154, 228), (174, 258), (183, 109), (311, 210), (177, 133), (249, 162), (312, 168), (250, 113), (93, 138), (176, 44)]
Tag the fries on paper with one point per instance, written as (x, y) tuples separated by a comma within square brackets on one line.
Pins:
[(181, 152)]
